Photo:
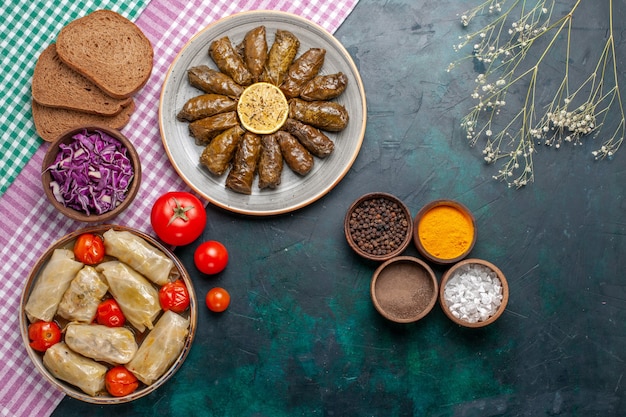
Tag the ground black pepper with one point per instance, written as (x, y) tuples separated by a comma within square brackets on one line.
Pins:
[(378, 226)]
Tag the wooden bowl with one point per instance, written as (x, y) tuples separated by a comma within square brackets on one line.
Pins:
[(191, 314), (404, 289), (68, 137), (378, 214), (472, 267), (429, 232)]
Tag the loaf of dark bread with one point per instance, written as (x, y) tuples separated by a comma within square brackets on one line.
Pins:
[(57, 85), (50, 122), (109, 50)]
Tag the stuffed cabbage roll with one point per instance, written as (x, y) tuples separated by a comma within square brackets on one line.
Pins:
[(312, 138), (137, 298), (53, 281), (75, 369), (324, 87), (205, 105), (114, 345), (217, 155), (80, 301), (280, 56), (302, 70), (295, 155), (270, 163), (325, 115), (211, 81), (144, 258), (229, 61), (204, 130), (246, 158), (160, 348), (255, 51)]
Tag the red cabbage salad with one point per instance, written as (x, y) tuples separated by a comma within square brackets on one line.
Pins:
[(92, 173)]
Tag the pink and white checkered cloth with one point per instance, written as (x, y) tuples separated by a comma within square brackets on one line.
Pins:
[(29, 224)]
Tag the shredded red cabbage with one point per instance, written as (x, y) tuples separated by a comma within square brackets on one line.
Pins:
[(92, 173)]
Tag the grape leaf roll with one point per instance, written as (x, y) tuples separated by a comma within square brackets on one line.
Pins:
[(255, 51), (325, 115), (270, 162), (312, 138), (210, 81), (281, 55), (244, 165), (302, 70), (229, 61), (325, 87), (294, 154), (217, 155)]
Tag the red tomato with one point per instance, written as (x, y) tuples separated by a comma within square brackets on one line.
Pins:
[(211, 257), (217, 299), (110, 314), (119, 381), (43, 334), (174, 296), (89, 249), (178, 218)]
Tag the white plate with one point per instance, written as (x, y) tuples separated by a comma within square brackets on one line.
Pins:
[(294, 191)]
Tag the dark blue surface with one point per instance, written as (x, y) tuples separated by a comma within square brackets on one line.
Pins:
[(301, 337)]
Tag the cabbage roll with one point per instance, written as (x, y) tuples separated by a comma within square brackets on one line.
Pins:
[(295, 155), (217, 155), (53, 281), (205, 105), (160, 348), (114, 345), (137, 298), (324, 87), (281, 55), (140, 255), (325, 115), (302, 70), (270, 163), (245, 162), (229, 61), (80, 301), (211, 81), (69, 366), (312, 138), (255, 51)]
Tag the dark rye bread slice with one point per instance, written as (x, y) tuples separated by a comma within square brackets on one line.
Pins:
[(50, 122), (57, 85), (109, 50)]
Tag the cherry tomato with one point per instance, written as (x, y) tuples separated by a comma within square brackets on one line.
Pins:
[(217, 299), (119, 381), (89, 249), (211, 257), (43, 334), (178, 218), (174, 296), (110, 314)]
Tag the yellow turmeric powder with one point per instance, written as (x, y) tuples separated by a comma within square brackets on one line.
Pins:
[(445, 232)]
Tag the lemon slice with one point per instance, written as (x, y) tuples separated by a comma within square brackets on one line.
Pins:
[(262, 108)]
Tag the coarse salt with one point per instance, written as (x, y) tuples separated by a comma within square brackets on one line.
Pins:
[(473, 293)]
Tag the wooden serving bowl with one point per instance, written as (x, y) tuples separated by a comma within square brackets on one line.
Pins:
[(191, 314), (458, 268), (66, 138), (404, 289), (403, 239)]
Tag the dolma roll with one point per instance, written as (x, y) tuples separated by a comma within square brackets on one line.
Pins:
[(160, 348), (255, 51), (206, 105), (114, 345), (217, 155), (324, 87), (144, 258), (325, 115), (244, 166), (80, 301), (294, 154), (312, 138), (281, 55), (137, 298), (210, 81), (229, 61), (75, 369), (52, 283), (270, 165), (204, 130), (302, 70)]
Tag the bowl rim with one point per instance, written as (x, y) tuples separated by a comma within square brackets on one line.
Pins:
[(429, 273), (505, 292), (51, 153), (69, 389), (426, 208), (406, 240)]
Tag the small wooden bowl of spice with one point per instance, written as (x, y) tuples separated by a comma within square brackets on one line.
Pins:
[(378, 226), (404, 289), (444, 231), (473, 293)]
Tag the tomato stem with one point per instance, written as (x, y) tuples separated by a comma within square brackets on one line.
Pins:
[(180, 212)]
